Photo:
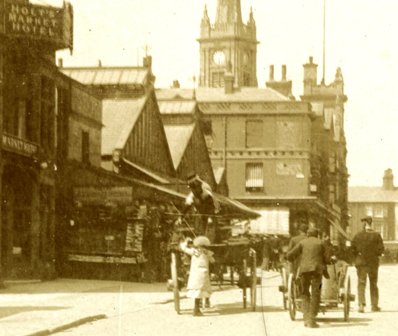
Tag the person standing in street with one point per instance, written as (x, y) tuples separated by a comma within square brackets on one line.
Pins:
[(199, 286), (302, 234), (311, 267), (367, 247)]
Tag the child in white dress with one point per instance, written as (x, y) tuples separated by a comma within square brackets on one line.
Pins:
[(199, 286)]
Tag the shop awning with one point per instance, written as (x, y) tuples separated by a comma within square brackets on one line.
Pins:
[(234, 208)]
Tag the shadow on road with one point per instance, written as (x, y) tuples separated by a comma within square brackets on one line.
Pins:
[(8, 311), (234, 308), (328, 322)]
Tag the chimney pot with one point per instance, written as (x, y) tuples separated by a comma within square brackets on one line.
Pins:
[(176, 84), (60, 62), (271, 72), (311, 60), (388, 180), (284, 72)]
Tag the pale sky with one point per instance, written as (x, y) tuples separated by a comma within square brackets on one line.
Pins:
[(360, 38)]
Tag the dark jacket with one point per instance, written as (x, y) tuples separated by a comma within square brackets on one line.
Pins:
[(312, 252), (367, 247), (294, 242)]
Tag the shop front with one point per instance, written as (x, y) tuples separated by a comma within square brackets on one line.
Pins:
[(116, 227)]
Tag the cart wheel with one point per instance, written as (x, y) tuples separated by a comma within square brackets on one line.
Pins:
[(285, 280), (347, 297), (291, 293), (174, 278)]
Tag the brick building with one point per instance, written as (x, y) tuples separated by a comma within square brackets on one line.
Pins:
[(31, 102), (283, 157)]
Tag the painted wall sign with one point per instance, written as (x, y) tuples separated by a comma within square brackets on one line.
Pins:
[(98, 195), (20, 146), (44, 23)]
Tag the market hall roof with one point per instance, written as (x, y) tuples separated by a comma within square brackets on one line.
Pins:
[(178, 137), (119, 118), (107, 75), (204, 94), (177, 107)]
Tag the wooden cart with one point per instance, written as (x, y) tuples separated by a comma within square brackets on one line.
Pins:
[(336, 291)]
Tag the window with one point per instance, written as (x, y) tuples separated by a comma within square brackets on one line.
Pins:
[(85, 147), (380, 211), (368, 210), (217, 79), (47, 133), (379, 227), (254, 133), (254, 177), (332, 193)]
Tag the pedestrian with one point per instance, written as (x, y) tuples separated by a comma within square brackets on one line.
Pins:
[(302, 234), (312, 265), (199, 286), (367, 247)]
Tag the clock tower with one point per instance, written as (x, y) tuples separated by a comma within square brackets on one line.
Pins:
[(228, 46)]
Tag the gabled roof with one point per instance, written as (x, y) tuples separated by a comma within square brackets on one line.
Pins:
[(175, 93), (178, 137), (372, 195), (119, 118), (177, 107), (107, 75)]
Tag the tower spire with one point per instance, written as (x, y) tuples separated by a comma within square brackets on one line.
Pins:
[(228, 11)]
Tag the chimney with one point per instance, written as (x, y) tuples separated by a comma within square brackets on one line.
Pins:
[(176, 84), (60, 62), (284, 72), (99, 63), (271, 73), (310, 76), (283, 86), (388, 180), (147, 62)]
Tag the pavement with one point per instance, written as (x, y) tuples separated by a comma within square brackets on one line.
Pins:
[(62, 305), (44, 308)]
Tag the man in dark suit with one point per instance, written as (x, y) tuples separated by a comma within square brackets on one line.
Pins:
[(302, 234), (367, 247), (311, 267)]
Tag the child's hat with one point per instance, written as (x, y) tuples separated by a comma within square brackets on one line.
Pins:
[(201, 241)]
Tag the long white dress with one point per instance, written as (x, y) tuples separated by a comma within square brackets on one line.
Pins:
[(199, 285)]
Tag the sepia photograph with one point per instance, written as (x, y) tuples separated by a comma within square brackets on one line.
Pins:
[(198, 167)]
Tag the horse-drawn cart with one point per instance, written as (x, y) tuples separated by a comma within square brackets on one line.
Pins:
[(235, 255)]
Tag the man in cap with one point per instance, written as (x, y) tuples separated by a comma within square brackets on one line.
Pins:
[(201, 197), (367, 247), (312, 265)]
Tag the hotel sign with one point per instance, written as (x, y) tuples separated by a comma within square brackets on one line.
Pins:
[(20, 146), (47, 24)]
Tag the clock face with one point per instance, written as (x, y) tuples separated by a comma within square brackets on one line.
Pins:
[(219, 57)]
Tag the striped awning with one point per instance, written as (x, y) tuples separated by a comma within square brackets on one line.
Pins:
[(254, 175)]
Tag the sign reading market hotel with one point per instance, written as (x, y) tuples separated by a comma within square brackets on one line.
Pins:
[(47, 24)]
